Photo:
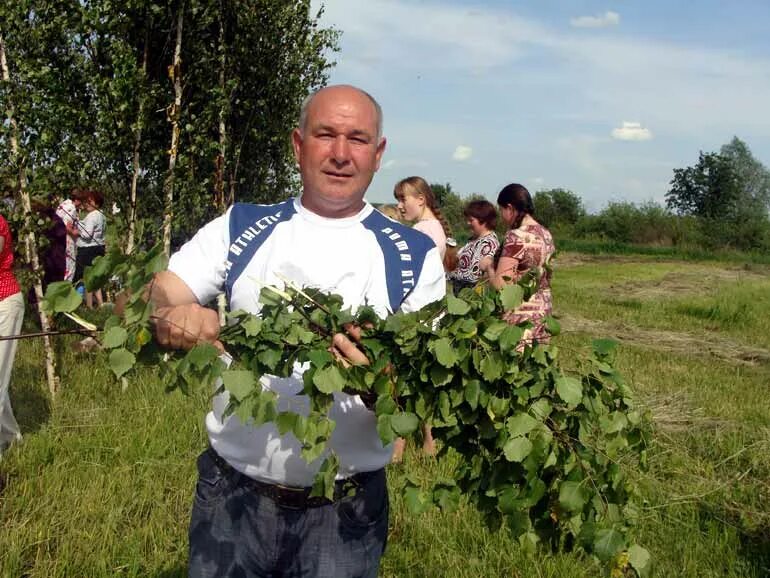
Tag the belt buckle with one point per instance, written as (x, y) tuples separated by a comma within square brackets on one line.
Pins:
[(291, 498)]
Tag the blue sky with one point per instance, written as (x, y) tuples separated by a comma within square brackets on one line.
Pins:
[(602, 98)]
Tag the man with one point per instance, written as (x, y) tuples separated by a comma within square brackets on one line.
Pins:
[(252, 515)]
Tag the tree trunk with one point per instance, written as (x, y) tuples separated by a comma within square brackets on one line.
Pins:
[(221, 164), (175, 71), (137, 145), (30, 238)]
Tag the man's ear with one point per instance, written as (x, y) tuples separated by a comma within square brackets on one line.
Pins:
[(296, 142), (380, 151)]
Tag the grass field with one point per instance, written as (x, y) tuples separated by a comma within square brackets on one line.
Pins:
[(102, 484)]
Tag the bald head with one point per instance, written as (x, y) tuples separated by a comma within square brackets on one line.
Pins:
[(342, 90)]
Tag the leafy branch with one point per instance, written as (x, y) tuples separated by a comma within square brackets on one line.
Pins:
[(541, 450)]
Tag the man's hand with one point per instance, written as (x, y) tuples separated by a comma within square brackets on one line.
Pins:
[(184, 326), (346, 350)]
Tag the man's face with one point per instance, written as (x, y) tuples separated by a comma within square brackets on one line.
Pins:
[(338, 151)]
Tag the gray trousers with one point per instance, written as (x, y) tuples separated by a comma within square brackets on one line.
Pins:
[(11, 317)]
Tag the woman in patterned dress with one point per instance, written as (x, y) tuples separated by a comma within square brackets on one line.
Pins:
[(527, 245), (481, 218)]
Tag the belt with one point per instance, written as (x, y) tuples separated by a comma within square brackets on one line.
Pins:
[(294, 498)]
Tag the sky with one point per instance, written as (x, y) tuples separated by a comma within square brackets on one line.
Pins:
[(605, 99)]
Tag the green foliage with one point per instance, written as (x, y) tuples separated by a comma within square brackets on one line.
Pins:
[(729, 192), (90, 88), (452, 205), (558, 207), (711, 189), (538, 448)]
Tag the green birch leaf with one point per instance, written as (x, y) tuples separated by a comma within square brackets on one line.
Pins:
[(329, 379), (472, 389), (570, 390), (385, 405), (384, 429), (456, 306), (445, 353), (319, 357), (417, 501), (202, 355), (121, 360), (604, 347), (114, 337), (252, 325), (552, 325), (516, 449), (607, 543), (511, 296), (639, 558), (239, 383), (491, 366), (521, 424), (404, 423), (510, 337), (572, 496), (61, 297), (323, 484), (285, 421)]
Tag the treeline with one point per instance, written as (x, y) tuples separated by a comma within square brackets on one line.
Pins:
[(173, 108), (721, 202)]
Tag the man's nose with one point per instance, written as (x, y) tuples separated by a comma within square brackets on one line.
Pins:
[(341, 149)]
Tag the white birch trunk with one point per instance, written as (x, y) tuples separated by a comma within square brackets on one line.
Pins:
[(219, 184), (136, 166), (30, 241), (176, 72)]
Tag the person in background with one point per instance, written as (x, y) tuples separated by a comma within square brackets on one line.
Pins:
[(417, 204), (54, 257), (527, 245), (67, 210), (11, 317), (481, 218), (90, 238)]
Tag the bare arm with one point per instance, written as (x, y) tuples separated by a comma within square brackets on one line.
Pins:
[(2, 243), (506, 268), (180, 321)]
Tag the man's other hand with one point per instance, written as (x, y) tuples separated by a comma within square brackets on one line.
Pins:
[(184, 326)]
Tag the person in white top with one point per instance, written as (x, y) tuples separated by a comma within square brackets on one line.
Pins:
[(90, 238), (67, 211), (252, 515)]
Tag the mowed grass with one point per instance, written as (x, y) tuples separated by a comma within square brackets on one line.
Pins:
[(102, 484)]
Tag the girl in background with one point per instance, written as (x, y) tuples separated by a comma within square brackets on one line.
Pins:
[(417, 203)]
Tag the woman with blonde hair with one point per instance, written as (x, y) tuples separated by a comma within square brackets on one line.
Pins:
[(417, 203)]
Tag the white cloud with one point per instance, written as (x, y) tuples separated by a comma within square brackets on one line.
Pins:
[(404, 164), (609, 18), (462, 153), (631, 131)]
